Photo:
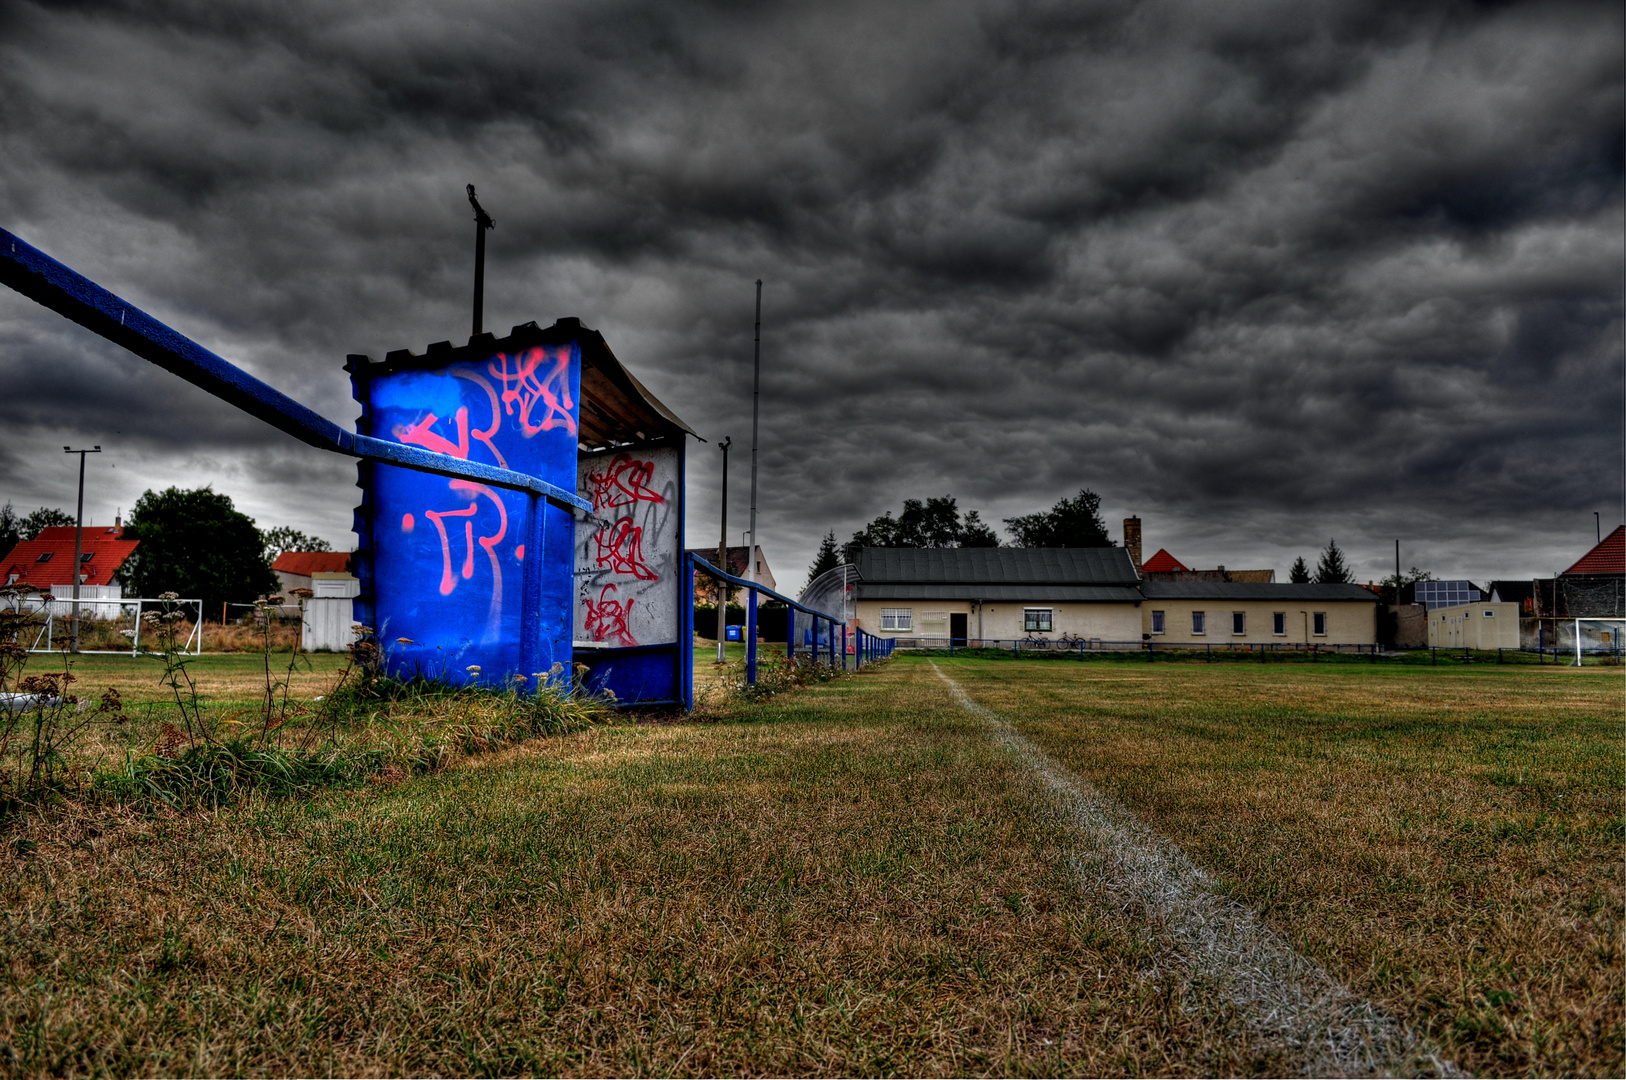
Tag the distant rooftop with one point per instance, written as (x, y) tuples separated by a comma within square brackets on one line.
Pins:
[(1608, 557)]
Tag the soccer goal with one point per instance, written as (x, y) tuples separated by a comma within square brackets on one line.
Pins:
[(1598, 636)]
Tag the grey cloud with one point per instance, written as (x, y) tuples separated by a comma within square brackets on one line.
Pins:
[(1257, 271)]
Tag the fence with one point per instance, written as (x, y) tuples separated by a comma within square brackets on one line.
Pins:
[(127, 623), (1262, 652), (821, 648)]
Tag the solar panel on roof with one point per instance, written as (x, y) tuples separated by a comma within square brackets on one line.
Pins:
[(1439, 594)]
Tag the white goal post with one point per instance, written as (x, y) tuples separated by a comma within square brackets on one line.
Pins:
[(1608, 632)]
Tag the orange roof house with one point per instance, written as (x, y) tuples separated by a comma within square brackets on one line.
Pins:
[(1609, 557), (47, 560), (1163, 563), (306, 563)]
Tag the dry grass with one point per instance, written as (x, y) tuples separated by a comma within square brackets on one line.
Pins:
[(1446, 843), (857, 883), (853, 879)]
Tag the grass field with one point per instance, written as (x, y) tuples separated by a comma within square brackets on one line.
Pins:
[(856, 879)]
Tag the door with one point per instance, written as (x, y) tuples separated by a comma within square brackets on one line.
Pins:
[(957, 628)]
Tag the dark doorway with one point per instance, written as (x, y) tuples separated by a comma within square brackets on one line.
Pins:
[(957, 629)]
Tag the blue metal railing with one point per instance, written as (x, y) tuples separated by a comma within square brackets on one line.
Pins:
[(68, 293), (866, 647)]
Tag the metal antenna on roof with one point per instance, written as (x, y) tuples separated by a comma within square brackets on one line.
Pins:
[(78, 539), (482, 222)]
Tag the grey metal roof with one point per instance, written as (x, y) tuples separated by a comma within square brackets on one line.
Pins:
[(1027, 594), (1251, 590), (1001, 566)]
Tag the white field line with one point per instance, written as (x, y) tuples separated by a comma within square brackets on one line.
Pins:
[(1287, 999)]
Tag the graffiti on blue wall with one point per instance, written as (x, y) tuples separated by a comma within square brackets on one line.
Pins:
[(448, 556)]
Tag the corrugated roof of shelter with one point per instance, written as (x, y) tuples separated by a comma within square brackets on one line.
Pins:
[(306, 563), (106, 550), (1162, 563), (999, 566), (1028, 593), (1252, 590), (1608, 557), (615, 408)]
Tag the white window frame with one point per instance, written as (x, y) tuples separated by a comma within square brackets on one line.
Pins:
[(1033, 616), (898, 619), (1278, 623), (1199, 624), (1239, 624), (1490, 613), (1157, 622), (1318, 619)]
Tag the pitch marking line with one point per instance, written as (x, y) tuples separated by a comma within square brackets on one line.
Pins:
[(1287, 999)]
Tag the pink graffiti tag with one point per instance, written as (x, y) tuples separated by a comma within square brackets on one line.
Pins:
[(621, 550), (624, 482), (422, 434), (496, 413), (447, 581), (522, 386), (607, 618)]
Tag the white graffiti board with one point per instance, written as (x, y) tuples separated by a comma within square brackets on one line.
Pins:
[(627, 558)]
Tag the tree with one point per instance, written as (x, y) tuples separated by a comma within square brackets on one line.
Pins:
[(11, 530), (1071, 523), (197, 544), (1300, 574), (934, 523), (284, 538), (827, 559), (1331, 569), (974, 534), (44, 518)]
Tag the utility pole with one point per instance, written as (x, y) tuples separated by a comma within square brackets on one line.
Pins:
[(756, 395), (78, 539), (1597, 524), (722, 558), (482, 222)]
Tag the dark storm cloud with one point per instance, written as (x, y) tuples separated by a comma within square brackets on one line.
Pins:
[(1261, 272)]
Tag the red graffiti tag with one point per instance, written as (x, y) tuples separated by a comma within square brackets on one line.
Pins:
[(607, 618), (624, 482), (522, 386), (621, 550)]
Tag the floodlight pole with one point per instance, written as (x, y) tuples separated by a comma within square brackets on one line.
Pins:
[(78, 539), (482, 222), (722, 558), (756, 396)]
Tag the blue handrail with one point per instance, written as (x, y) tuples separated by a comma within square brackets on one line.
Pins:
[(68, 293)]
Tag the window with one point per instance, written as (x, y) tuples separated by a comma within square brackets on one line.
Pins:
[(1037, 618), (1278, 623), (1196, 622), (1239, 622), (897, 618), (1320, 619), (86, 557), (45, 556), (1490, 614), (1157, 622)]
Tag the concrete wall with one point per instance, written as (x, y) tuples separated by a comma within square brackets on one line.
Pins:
[(1003, 620), (1349, 622), (1469, 626)]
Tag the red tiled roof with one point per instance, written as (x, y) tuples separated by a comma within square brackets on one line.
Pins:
[(1162, 563), (306, 563), (1609, 557), (105, 550)]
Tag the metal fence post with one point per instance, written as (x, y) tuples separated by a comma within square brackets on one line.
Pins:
[(843, 646), (790, 635), (751, 639)]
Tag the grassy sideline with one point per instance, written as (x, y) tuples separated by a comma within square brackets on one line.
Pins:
[(854, 879)]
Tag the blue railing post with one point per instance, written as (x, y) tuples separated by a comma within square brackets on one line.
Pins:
[(751, 639), (843, 646), (790, 633)]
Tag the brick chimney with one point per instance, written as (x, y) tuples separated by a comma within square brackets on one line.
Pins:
[(1132, 540)]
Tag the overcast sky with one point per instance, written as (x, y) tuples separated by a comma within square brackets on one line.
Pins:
[(1264, 274)]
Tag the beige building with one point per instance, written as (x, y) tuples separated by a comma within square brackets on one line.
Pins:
[(1488, 624), (970, 595), (1255, 613)]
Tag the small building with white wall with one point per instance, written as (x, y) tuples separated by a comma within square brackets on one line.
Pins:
[(1257, 613), (329, 622), (969, 595), (1487, 624)]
